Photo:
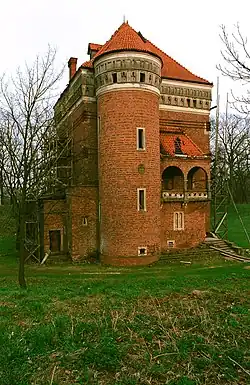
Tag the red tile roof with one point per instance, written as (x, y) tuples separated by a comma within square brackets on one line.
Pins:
[(126, 38), (87, 64), (94, 46), (188, 147), (172, 69)]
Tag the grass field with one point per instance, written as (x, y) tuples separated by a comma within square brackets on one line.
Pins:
[(235, 230), (89, 324)]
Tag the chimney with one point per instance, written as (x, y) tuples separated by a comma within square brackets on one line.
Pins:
[(72, 63)]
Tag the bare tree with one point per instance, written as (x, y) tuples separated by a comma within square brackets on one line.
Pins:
[(236, 64), (233, 158), (26, 120)]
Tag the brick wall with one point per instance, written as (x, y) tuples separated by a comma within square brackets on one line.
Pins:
[(84, 230), (83, 123), (123, 227), (195, 222), (55, 218)]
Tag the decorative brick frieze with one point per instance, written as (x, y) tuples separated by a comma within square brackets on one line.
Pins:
[(130, 68), (189, 95)]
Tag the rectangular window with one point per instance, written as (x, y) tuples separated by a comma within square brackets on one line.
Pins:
[(85, 221), (141, 139), (141, 199), (178, 221)]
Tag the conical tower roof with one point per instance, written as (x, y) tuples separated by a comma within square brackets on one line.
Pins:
[(125, 38)]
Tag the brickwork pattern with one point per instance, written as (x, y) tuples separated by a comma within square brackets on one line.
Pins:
[(123, 228), (84, 225), (84, 133), (194, 224), (55, 218)]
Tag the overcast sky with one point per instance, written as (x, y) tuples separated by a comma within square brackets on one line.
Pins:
[(186, 30)]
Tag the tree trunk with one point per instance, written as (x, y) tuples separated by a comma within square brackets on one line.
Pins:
[(1, 189), (22, 221), (21, 275)]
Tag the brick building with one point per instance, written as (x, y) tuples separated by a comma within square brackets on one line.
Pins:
[(133, 170)]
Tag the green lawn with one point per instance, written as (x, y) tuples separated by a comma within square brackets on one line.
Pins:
[(165, 324), (235, 230)]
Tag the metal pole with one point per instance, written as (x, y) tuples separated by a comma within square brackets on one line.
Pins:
[(216, 148)]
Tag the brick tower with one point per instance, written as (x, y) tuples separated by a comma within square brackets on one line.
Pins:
[(132, 177), (127, 80)]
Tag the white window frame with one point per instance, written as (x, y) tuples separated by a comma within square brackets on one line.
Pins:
[(178, 220), (85, 221), (138, 199), (140, 129), (139, 249)]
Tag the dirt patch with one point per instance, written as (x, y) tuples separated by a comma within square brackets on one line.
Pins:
[(7, 304), (199, 293)]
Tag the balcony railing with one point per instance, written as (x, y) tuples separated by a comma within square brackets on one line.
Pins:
[(172, 195), (194, 195), (185, 196)]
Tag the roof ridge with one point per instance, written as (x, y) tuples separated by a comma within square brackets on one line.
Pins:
[(115, 33)]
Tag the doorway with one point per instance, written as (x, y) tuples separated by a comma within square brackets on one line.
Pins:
[(55, 240)]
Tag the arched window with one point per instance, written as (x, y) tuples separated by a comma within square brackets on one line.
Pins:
[(173, 179), (197, 179)]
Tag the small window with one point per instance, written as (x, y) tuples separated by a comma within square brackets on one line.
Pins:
[(141, 199), (177, 146), (114, 76), (142, 251), (178, 221), (195, 103), (85, 221), (142, 77), (55, 240), (170, 243), (188, 102), (140, 139)]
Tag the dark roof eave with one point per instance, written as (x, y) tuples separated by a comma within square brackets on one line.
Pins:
[(188, 157)]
